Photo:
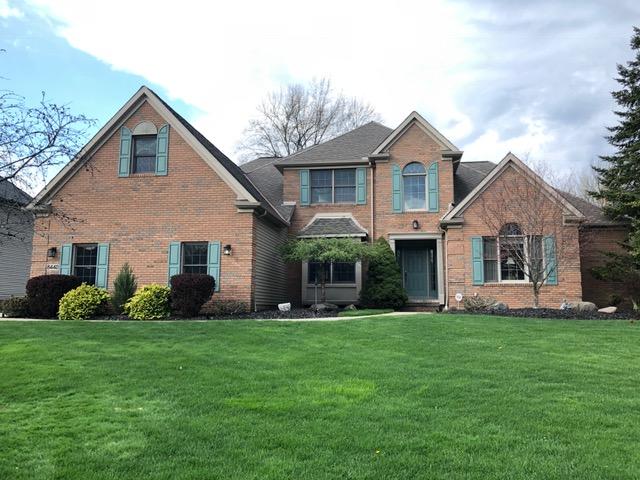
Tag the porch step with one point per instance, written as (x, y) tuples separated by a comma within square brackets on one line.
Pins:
[(422, 307)]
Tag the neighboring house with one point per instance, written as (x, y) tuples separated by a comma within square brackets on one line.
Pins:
[(16, 233), (150, 190)]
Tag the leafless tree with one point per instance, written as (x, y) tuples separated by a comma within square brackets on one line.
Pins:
[(300, 116), (526, 220), (33, 140)]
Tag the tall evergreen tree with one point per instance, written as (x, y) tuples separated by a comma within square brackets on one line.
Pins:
[(620, 176)]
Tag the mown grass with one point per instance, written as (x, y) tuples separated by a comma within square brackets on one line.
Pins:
[(365, 312), (433, 396)]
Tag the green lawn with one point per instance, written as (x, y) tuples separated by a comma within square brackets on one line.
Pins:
[(425, 396)]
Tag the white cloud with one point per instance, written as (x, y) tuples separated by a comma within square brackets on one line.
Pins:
[(7, 11), (222, 57)]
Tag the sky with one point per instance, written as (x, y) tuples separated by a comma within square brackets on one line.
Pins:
[(494, 76)]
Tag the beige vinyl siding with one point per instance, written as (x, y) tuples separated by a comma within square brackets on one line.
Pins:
[(15, 256), (270, 275)]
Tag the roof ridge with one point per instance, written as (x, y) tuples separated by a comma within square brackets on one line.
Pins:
[(275, 159)]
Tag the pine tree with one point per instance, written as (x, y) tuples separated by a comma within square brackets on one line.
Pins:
[(619, 177), (383, 286), (124, 286)]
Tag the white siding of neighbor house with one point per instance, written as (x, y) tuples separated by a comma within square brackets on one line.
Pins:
[(270, 270), (15, 258)]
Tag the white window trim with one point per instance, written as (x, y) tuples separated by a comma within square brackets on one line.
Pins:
[(333, 187), (426, 185), (527, 277)]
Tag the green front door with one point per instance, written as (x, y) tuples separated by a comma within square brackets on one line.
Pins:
[(414, 267)]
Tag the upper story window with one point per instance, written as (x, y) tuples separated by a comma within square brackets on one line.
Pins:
[(85, 262), (333, 186), (414, 183), (143, 159), (194, 257)]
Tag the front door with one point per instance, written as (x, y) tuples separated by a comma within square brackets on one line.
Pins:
[(414, 266)]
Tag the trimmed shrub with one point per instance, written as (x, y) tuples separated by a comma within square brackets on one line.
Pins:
[(189, 291), (477, 303), (225, 308), (16, 307), (124, 287), (83, 302), (149, 303), (44, 293), (383, 285)]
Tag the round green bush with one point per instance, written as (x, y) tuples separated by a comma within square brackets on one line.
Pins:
[(82, 303), (149, 303)]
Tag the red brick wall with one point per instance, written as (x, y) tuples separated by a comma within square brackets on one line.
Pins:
[(140, 215), (458, 245), (593, 243)]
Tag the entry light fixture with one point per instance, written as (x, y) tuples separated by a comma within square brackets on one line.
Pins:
[(227, 250), (415, 224), (51, 253)]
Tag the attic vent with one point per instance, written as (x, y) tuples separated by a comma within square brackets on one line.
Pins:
[(145, 128)]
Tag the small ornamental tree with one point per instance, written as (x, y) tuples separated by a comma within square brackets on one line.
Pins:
[(124, 287), (324, 251), (383, 286)]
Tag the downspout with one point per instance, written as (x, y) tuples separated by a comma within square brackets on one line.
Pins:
[(373, 199), (445, 247)]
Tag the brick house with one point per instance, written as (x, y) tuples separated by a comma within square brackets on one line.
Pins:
[(152, 191)]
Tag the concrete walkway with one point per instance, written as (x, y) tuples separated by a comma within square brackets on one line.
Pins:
[(318, 319)]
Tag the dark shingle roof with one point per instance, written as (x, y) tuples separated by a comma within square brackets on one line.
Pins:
[(229, 165), (594, 215), (266, 177), (332, 227), (468, 176), (8, 191), (346, 148)]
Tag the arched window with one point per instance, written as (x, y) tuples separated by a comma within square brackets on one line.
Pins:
[(414, 180)]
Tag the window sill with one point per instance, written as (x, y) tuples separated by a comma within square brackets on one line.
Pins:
[(506, 282), (138, 175), (331, 204)]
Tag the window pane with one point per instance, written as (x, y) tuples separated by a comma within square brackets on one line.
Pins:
[(490, 259), (144, 154), (511, 258), (414, 192), (345, 177), (86, 259), (344, 272), (321, 178), (194, 258), (321, 195), (413, 169), (345, 194), (314, 274)]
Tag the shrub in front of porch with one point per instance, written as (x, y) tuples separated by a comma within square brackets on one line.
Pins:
[(190, 291), (383, 285), (83, 303), (44, 293), (149, 303)]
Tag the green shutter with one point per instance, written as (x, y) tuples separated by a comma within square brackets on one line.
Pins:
[(162, 150), (477, 261), (125, 152), (214, 262), (550, 261), (304, 187), (102, 265), (396, 185), (174, 259), (361, 185), (65, 259), (432, 185)]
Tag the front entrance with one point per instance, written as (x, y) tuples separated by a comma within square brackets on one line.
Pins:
[(417, 259)]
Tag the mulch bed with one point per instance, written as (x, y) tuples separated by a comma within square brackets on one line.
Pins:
[(556, 313)]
